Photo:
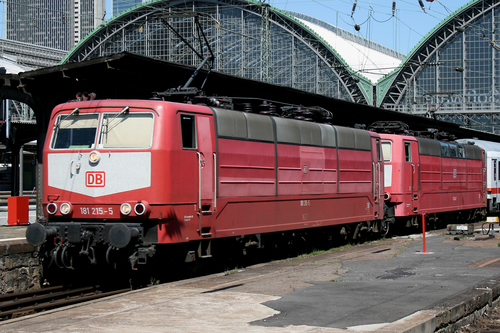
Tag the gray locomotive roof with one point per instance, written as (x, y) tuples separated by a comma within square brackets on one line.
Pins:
[(248, 126), (486, 145)]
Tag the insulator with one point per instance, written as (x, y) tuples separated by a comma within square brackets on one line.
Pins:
[(247, 107), (214, 101), (422, 5), (354, 7), (264, 106)]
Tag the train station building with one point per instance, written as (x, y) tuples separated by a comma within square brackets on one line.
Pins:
[(454, 72)]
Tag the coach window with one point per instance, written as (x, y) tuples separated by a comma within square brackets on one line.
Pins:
[(188, 129), (408, 152), (498, 169), (387, 151), (494, 170)]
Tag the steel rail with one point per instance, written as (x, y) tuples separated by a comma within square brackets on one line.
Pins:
[(30, 293), (19, 306)]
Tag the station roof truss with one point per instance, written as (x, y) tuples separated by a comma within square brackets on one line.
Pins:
[(249, 39), (400, 90), (131, 76)]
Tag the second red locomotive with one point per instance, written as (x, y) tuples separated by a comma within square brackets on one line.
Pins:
[(427, 176)]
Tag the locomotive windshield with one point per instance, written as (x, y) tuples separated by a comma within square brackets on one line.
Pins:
[(126, 130), (117, 130), (75, 131)]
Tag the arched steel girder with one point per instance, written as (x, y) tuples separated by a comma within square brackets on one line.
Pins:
[(92, 45), (345, 74), (415, 63), (475, 121)]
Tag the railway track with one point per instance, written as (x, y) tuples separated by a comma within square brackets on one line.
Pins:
[(29, 302)]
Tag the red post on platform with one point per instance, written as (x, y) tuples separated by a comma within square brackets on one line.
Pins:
[(18, 210), (423, 230)]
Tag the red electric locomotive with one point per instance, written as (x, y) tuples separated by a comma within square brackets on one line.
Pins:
[(126, 178), (427, 176)]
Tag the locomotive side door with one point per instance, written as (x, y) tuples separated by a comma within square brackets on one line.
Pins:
[(378, 174), (198, 129), (412, 171), (207, 167)]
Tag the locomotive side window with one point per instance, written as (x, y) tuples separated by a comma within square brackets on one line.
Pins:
[(188, 129), (379, 151), (387, 151), (445, 150), (461, 151), (75, 131), (453, 150), (126, 130), (407, 152)]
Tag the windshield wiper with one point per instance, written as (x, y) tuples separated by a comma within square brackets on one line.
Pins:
[(109, 121), (75, 111)]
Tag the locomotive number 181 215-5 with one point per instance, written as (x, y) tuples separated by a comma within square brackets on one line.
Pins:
[(96, 210)]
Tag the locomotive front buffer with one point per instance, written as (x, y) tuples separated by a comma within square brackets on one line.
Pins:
[(66, 243)]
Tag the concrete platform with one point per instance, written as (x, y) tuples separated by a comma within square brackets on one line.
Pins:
[(386, 286), (8, 232)]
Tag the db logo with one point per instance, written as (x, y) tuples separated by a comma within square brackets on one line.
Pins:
[(95, 178)]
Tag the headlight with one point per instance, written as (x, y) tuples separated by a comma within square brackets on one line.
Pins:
[(94, 157), (65, 208), (125, 209), (139, 208), (51, 208)]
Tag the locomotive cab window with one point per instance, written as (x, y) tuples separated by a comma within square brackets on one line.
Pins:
[(407, 152), (387, 151), (126, 130), (75, 131), (188, 129)]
